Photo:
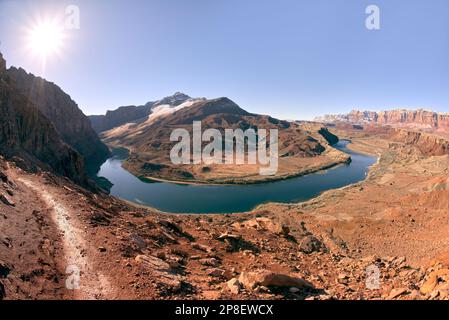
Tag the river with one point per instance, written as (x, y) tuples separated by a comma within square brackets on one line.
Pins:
[(184, 198)]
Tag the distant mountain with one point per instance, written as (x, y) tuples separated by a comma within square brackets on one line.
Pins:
[(119, 116), (69, 121), (25, 132), (421, 119), (173, 100), (215, 113), (131, 113), (149, 140)]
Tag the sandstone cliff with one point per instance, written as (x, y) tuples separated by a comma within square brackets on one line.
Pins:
[(426, 144), (421, 119)]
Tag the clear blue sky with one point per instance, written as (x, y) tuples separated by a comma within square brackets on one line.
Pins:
[(288, 58)]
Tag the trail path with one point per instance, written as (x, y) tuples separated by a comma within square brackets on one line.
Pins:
[(91, 283)]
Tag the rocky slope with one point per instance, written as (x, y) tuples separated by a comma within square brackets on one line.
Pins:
[(276, 252), (72, 125), (394, 222), (427, 144), (29, 137), (421, 119), (127, 114)]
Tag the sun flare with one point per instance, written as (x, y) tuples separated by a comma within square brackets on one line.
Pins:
[(46, 38)]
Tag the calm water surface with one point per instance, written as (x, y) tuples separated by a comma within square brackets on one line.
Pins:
[(181, 198)]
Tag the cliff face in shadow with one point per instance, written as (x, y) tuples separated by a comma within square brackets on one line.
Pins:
[(330, 137), (27, 134), (73, 126)]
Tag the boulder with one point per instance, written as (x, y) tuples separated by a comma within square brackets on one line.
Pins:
[(6, 200), (250, 280), (396, 293), (161, 271), (153, 263), (272, 226), (169, 281), (211, 262), (265, 224), (234, 285), (216, 272), (228, 236), (234, 242), (433, 280), (310, 244)]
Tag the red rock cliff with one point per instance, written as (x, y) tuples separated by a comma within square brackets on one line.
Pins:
[(419, 118)]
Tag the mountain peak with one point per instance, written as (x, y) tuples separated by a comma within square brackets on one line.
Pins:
[(174, 100), (179, 94)]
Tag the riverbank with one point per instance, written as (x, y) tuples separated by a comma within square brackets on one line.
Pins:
[(181, 197), (264, 179), (288, 167), (328, 241), (389, 213)]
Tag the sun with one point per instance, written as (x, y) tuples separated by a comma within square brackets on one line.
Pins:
[(45, 38)]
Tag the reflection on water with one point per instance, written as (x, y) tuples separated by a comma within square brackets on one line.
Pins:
[(182, 198)]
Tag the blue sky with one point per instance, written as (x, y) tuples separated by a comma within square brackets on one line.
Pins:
[(289, 58)]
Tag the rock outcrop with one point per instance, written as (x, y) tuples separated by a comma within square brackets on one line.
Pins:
[(26, 133), (267, 278), (422, 119), (62, 112), (426, 144)]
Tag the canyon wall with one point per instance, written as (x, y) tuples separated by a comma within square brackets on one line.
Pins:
[(427, 144), (422, 119), (28, 137), (69, 121)]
